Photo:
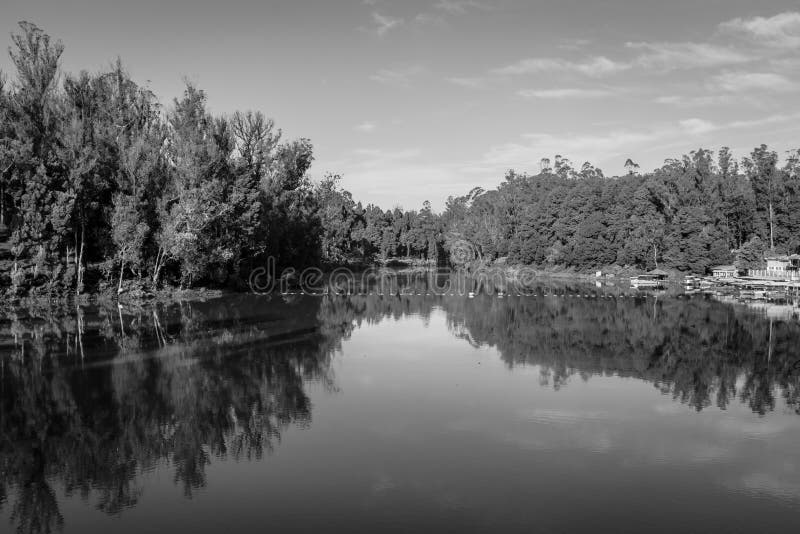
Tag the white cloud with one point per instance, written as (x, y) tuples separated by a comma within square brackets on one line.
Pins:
[(670, 99), (564, 93), (430, 19), (399, 77), (765, 121), (670, 56), (449, 8), (573, 44), (471, 83), (525, 154), (609, 149), (697, 126), (366, 127), (460, 6), (694, 101), (377, 157), (738, 82), (781, 31), (663, 56), (384, 23), (785, 63), (596, 66)]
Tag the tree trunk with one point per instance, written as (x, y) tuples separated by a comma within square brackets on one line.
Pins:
[(121, 272), (79, 284), (655, 254), (70, 253), (157, 268), (771, 227), (80, 329)]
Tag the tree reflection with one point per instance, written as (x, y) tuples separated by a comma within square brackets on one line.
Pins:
[(93, 397), (200, 383), (700, 351)]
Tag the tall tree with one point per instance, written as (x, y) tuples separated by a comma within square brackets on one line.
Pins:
[(765, 178)]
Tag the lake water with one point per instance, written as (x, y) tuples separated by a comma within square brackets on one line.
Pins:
[(584, 410)]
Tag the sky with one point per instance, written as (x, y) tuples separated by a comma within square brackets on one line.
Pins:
[(413, 100)]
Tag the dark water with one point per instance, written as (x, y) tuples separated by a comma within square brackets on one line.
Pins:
[(411, 413)]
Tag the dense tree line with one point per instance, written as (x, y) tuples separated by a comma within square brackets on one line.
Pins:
[(351, 232), (96, 175), (690, 214)]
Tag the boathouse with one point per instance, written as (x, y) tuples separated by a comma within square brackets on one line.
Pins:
[(658, 274), (724, 271)]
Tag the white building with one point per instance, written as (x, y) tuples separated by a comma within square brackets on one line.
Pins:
[(782, 264), (724, 271), (779, 267)]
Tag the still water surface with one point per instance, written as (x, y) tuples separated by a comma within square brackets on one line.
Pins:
[(405, 413)]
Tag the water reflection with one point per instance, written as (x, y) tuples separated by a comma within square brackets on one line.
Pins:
[(697, 349), (94, 397), (113, 393)]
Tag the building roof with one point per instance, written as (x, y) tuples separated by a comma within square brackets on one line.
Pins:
[(724, 268), (658, 272), (775, 257)]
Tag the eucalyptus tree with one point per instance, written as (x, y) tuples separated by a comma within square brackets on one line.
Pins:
[(197, 157), (6, 153), (39, 186), (255, 143), (762, 171)]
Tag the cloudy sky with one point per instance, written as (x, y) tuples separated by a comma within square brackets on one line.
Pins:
[(418, 99)]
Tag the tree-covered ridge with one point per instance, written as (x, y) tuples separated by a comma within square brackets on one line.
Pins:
[(691, 214), (99, 181)]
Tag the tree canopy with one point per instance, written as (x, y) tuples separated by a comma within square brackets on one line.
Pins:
[(100, 184)]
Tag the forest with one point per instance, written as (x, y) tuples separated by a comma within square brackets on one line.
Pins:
[(104, 188), (689, 215)]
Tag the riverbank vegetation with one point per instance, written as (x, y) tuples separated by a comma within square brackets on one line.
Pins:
[(101, 185), (104, 188)]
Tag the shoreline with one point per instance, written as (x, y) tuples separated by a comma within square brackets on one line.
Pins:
[(136, 294)]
